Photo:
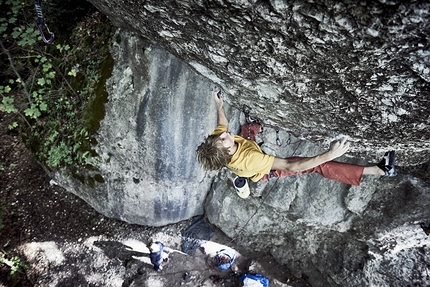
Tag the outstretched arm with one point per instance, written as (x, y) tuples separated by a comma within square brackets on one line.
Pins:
[(336, 150), (222, 119)]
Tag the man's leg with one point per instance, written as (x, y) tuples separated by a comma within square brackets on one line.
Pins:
[(339, 171), (345, 172)]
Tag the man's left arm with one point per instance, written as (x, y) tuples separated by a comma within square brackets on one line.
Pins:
[(221, 117)]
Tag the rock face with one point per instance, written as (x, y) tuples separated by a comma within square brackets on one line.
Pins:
[(314, 68), (146, 168), (335, 234), (316, 71)]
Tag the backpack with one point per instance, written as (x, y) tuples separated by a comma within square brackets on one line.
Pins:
[(256, 280), (250, 130)]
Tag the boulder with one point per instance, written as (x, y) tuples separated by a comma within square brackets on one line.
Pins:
[(317, 71)]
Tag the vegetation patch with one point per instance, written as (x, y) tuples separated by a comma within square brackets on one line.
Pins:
[(56, 91)]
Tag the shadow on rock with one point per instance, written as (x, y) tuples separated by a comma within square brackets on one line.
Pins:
[(114, 249), (75, 280)]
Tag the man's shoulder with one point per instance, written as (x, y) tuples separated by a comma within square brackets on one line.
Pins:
[(219, 129)]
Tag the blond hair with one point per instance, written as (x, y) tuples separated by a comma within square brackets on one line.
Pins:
[(211, 155)]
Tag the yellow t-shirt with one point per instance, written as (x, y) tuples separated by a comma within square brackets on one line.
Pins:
[(248, 160)]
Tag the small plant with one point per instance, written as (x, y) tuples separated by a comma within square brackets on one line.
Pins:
[(52, 87), (15, 264)]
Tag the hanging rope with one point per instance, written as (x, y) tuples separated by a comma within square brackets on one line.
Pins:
[(278, 141), (41, 22), (255, 212), (249, 120), (261, 203)]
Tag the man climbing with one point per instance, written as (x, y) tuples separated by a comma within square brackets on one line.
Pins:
[(246, 159)]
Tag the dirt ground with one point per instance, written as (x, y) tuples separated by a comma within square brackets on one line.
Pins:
[(65, 242)]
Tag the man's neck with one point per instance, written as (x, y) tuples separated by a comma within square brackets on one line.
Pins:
[(233, 149)]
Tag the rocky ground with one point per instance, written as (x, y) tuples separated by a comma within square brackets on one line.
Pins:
[(64, 242)]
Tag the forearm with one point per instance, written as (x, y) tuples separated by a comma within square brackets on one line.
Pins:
[(301, 164), (337, 149), (222, 119)]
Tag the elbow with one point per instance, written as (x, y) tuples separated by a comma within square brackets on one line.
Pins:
[(294, 167), (283, 164)]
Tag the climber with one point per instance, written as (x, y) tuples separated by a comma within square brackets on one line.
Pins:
[(246, 159)]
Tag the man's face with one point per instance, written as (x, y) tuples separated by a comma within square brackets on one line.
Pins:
[(226, 139)]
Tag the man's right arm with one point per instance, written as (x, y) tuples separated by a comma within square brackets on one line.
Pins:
[(222, 119), (336, 150)]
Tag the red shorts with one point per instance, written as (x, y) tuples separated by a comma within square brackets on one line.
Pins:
[(340, 171)]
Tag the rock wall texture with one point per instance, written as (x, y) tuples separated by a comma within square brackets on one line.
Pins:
[(314, 68), (145, 172), (335, 234)]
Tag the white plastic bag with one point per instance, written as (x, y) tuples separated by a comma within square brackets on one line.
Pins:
[(248, 282)]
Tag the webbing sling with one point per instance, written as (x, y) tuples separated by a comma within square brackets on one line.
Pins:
[(41, 22)]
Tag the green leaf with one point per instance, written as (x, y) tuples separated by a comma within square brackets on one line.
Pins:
[(15, 34), (5, 89), (3, 28), (12, 125), (51, 75), (59, 153), (43, 106), (72, 73), (22, 43), (32, 112), (41, 81), (52, 137), (7, 105), (47, 67)]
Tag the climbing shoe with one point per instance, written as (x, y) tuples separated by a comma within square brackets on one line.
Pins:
[(387, 164), (241, 186)]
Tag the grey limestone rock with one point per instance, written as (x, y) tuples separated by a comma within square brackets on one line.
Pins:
[(317, 70), (314, 68)]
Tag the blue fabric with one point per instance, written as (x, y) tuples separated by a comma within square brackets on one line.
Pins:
[(257, 277), (228, 252), (157, 257)]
